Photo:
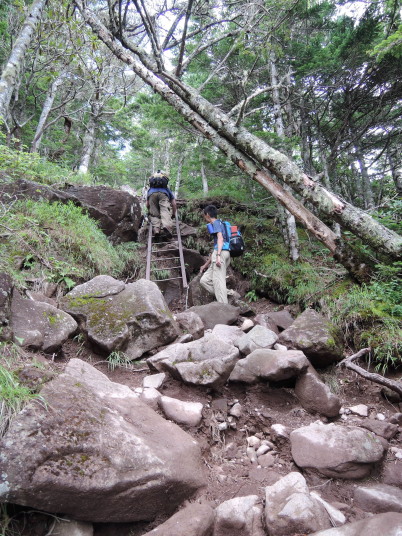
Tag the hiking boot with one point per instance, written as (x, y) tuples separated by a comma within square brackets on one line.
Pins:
[(166, 233)]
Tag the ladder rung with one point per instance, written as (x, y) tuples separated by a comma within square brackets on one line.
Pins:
[(167, 279), (164, 259), (159, 250), (169, 268)]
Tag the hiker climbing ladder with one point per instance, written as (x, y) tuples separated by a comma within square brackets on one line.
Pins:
[(156, 258)]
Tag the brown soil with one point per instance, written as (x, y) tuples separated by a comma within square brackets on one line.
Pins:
[(230, 472)]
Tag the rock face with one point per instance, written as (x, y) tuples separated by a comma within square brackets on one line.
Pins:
[(207, 361), (313, 334), (229, 334), (6, 291), (271, 365), (118, 212), (240, 516), (193, 520), (378, 498), (134, 317), (380, 525), (289, 508), (97, 453), (216, 313), (256, 339), (315, 396), (336, 451), (39, 325)]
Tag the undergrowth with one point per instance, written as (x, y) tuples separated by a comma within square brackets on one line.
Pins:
[(57, 242)]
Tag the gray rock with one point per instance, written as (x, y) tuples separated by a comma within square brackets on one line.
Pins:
[(262, 319), (289, 508), (216, 313), (69, 527), (336, 451), (94, 451), (389, 524), (315, 396), (313, 334), (360, 409), (256, 339), (378, 498), (134, 317), (396, 418), (193, 520), (240, 516), (155, 380), (190, 322), (208, 361), (336, 516), (271, 365), (188, 413), (39, 325), (392, 473), (380, 428), (151, 397), (247, 324), (229, 334)]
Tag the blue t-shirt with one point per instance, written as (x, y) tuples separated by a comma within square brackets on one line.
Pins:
[(219, 227), (166, 191)]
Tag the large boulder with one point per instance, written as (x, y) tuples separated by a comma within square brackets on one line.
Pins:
[(256, 339), (315, 396), (131, 317), (229, 334), (6, 292), (193, 520), (269, 365), (336, 451), (92, 450), (314, 335), (39, 325), (216, 313), (240, 516), (276, 321), (290, 509), (117, 211), (389, 524), (207, 361)]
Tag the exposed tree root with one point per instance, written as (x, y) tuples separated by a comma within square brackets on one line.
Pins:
[(372, 376)]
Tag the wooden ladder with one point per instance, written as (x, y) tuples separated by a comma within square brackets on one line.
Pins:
[(154, 257)]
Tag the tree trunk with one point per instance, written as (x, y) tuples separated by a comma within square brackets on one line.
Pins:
[(47, 106), (11, 71), (178, 179), (257, 158), (288, 222), (396, 168), (366, 184), (88, 145), (203, 174)]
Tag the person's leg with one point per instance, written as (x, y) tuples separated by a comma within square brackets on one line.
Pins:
[(219, 277), (165, 212), (206, 280), (154, 213)]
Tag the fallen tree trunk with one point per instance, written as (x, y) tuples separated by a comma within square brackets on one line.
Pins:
[(372, 376)]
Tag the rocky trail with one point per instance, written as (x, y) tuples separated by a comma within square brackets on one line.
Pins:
[(244, 429)]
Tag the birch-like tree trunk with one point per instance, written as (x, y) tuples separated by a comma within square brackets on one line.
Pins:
[(88, 144), (47, 107), (288, 222), (178, 176), (396, 168), (255, 157), (367, 190), (10, 74)]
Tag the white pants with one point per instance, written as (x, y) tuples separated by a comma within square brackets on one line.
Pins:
[(214, 279)]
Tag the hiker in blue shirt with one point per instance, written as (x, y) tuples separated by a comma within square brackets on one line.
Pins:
[(214, 278), (160, 203)]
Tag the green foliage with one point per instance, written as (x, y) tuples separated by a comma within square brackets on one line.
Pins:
[(391, 45), (15, 164), (118, 359), (371, 315), (59, 243)]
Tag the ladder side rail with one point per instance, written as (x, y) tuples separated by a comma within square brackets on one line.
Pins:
[(182, 265), (149, 253)]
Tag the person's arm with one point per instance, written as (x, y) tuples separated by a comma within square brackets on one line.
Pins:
[(174, 206), (206, 265), (220, 246)]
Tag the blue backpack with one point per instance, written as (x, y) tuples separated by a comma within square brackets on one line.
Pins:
[(233, 240)]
